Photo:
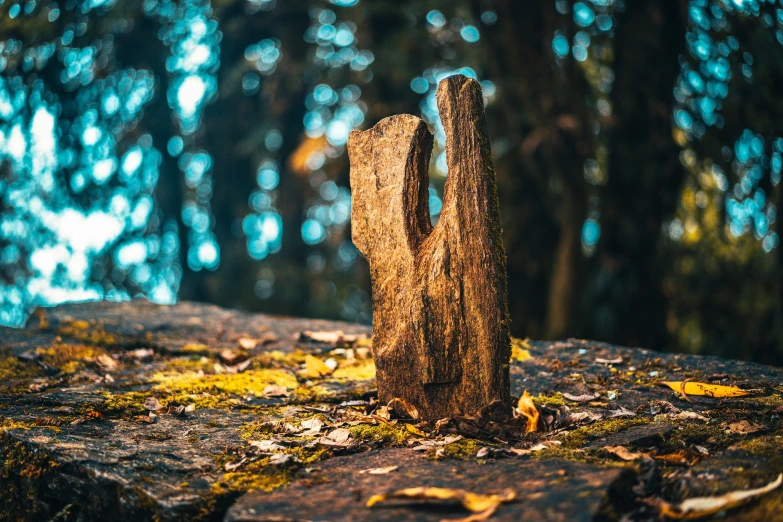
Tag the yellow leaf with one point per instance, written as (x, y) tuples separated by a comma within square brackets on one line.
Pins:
[(709, 390), (297, 161), (529, 410), (314, 368), (520, 350), (704, 506), (483, 505)]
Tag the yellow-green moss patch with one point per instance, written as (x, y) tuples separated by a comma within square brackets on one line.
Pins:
[(384, 432), (360, 370), (90, 333), (249, 382)]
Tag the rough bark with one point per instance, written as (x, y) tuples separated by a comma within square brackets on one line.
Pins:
[(440, 331)]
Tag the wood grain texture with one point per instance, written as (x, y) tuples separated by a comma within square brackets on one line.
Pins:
[(440, 313)]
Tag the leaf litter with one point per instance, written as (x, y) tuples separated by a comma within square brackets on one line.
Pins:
[(484, 506)]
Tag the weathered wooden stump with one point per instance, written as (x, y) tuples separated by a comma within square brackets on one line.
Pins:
[(440, 314)]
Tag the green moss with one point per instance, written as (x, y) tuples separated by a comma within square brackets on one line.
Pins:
[(15, 374), (768, 401), (189, 364), (461, 450), (549, 400), (195, 348), (249, 382), (581, 436), (8, 424), (88, 332), (123, 405), (256, 475), (384, 432), (70, 358), (766, 446), (21, 474), (709, 434)]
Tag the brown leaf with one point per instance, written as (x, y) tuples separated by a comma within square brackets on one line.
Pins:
[(587, 397), (341, 437), (231, 466), (107, 362), (379, 471), (601, 360), (275, 390), (681, 457), (239, 368), (745, 426), (228, 356), (403, 408), (152, 404), (623, 452), (331, 337), (246, 343)]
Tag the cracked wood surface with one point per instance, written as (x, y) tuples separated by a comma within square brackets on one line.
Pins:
[(441, 336)]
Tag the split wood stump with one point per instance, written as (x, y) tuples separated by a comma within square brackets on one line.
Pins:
[(440, 313)]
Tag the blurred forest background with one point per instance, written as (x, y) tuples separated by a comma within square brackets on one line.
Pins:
[(195, 149)]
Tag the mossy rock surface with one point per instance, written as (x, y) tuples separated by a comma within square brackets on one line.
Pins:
[(235, 397)]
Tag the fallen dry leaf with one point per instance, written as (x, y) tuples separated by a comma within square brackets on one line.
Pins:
[(690, 415), (622, 411), (314, 368), (313, 426), (341, 437), (403, 408), (744, 426), (538, 447), (228, 356), (587, 397), (275, 390), (699, 507), (708, 390), (483, 505), (601, 360), (526, 408), (231, 466), (238, 368), (246, 343), (379, 471), (681, 457), (333, 337), (152, 404), (107, 362), (586, 416), (278, 459), (141, 353), (266, 445), (623, 452)]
